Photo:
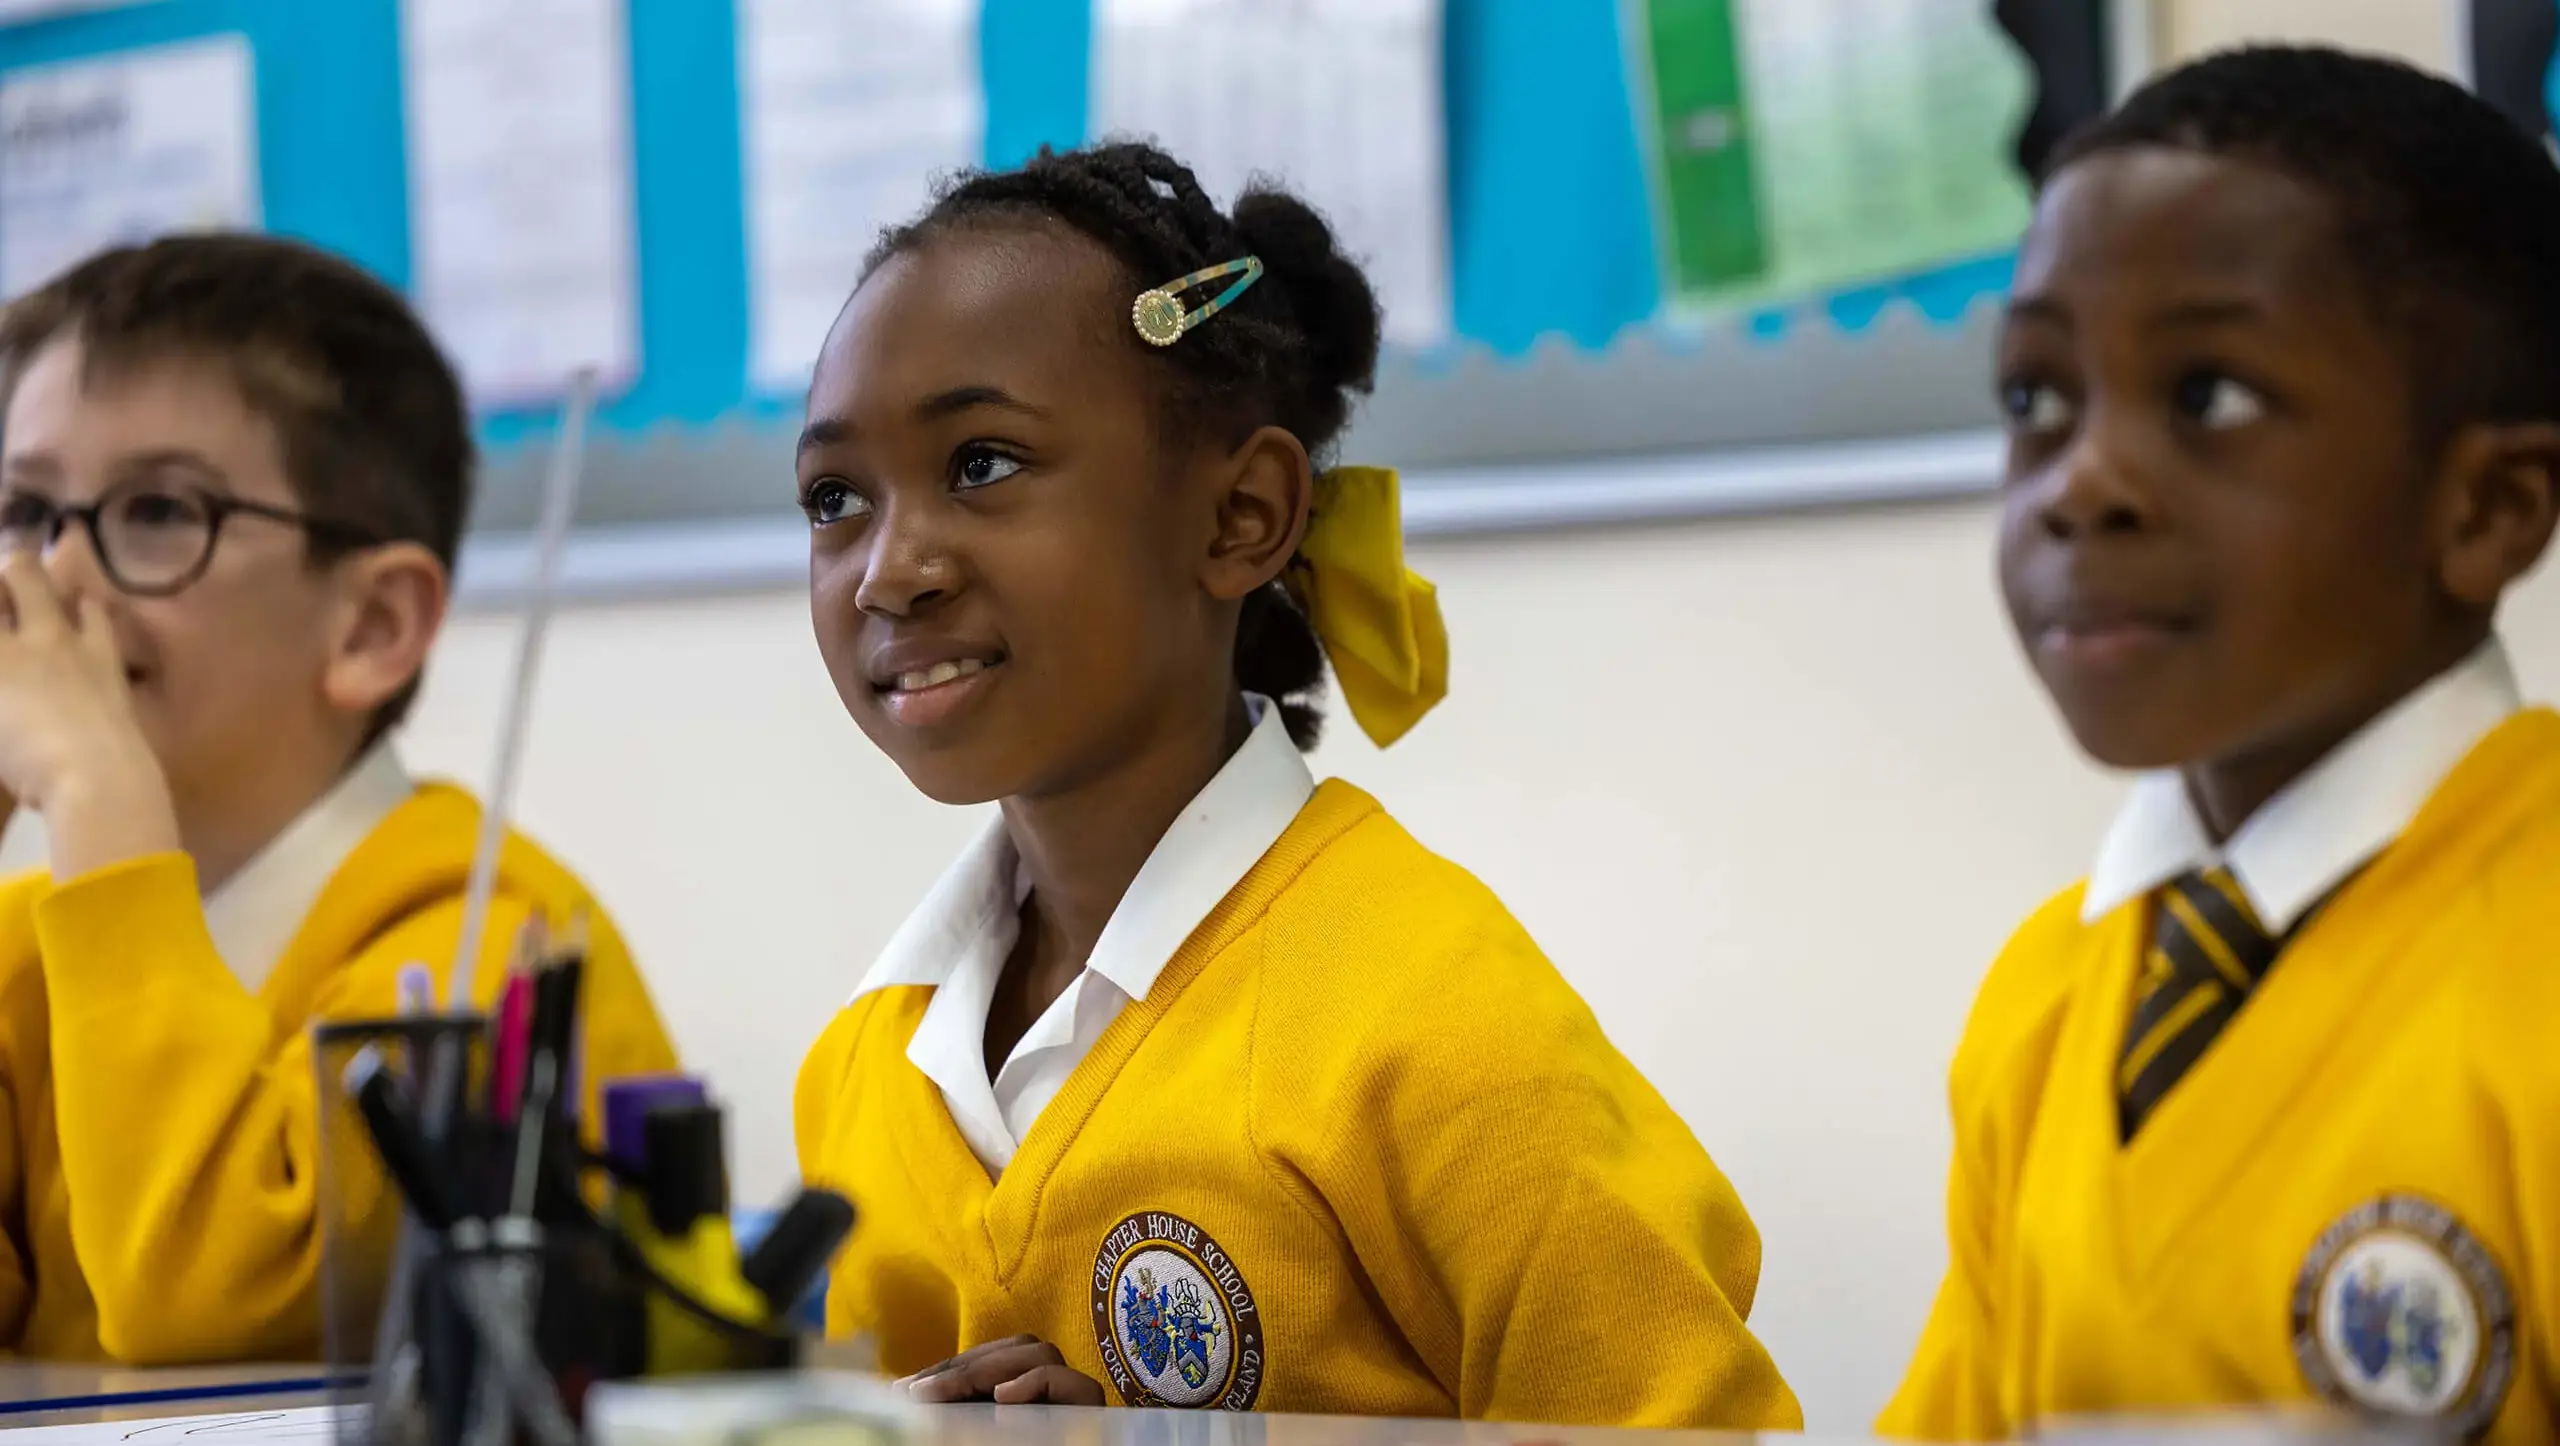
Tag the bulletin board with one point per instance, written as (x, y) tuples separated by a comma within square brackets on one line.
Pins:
[(1563, 359)]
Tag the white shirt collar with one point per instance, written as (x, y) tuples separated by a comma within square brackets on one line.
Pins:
[(957, 940), (2326, 824), (1215, 840), (254, 916)]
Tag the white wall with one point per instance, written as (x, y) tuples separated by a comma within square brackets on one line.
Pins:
[(1770, 792), (2425, 32)]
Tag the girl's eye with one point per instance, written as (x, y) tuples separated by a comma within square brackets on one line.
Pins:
[(981, 467), (2035, 408), (2217, 402), (831, 502)]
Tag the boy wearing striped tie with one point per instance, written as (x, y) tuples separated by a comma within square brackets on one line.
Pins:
[(2267, 1112)]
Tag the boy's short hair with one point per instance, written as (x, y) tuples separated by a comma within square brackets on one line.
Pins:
[(2450, 210), (374, 428)]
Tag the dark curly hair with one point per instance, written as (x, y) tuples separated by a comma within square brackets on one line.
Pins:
[(2449, 210), (1295, 351)]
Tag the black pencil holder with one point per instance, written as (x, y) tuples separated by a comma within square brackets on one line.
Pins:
[(574, 1301), (369, 1241), (569, 1315), (483, 1294)]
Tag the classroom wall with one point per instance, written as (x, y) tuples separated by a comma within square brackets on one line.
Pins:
[(1771, 792), (2426, 32)]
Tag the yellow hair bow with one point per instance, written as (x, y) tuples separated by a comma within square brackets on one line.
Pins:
[(1379, 622)]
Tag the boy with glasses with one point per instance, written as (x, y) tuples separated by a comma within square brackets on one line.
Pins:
[(233, 475)]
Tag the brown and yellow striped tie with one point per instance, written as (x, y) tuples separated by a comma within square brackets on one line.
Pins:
[(2208, 951)]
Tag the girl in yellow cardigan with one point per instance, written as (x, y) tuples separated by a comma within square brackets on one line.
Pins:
[(1195, 1083)]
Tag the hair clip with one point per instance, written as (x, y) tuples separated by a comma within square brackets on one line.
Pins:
[(1161, 316)]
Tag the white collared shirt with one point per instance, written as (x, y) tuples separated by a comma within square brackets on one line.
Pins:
[(255, 914), (2326, 824), (958, 939)]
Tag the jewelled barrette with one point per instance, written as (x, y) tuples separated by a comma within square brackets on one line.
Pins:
[(1161, 316)]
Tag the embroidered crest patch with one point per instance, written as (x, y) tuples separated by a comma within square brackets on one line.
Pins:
[(1174, 1318), (2401, 1314)]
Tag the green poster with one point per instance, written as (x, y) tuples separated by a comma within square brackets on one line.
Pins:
[(1848, 140), (1701, 142)]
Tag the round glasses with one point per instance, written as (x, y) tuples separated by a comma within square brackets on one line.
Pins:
[(154, 538)]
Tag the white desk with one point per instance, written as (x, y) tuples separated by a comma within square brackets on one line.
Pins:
[(1065, 1426), (82, 1396), (43, 1393)]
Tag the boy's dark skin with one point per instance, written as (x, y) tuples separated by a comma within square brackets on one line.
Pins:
[(2228, 539)]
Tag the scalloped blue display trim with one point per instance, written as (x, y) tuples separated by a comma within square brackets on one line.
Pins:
[(2551, 88), (1550, 231)]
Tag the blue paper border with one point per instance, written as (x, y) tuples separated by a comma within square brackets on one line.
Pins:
[(1550, 230)]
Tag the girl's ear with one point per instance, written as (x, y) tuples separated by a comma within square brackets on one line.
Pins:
[(1264, 491)]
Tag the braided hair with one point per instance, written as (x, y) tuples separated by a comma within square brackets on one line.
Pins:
[(1295, 351)]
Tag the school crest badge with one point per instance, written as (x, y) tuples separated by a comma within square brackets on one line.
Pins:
[(1174, 1318), (2401, 1313)]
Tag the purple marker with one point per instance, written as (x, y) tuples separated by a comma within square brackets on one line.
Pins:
[(627, 1103)]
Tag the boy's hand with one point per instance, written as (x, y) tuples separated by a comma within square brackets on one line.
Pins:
[(70, 747), (1022, 1371)]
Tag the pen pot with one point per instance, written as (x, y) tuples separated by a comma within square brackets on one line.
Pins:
[(371, 1244), (502, 1314)]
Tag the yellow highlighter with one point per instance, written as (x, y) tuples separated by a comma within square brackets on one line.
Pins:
[(671, 1200)]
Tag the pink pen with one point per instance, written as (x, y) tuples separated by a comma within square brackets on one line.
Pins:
[(515, 1028)]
